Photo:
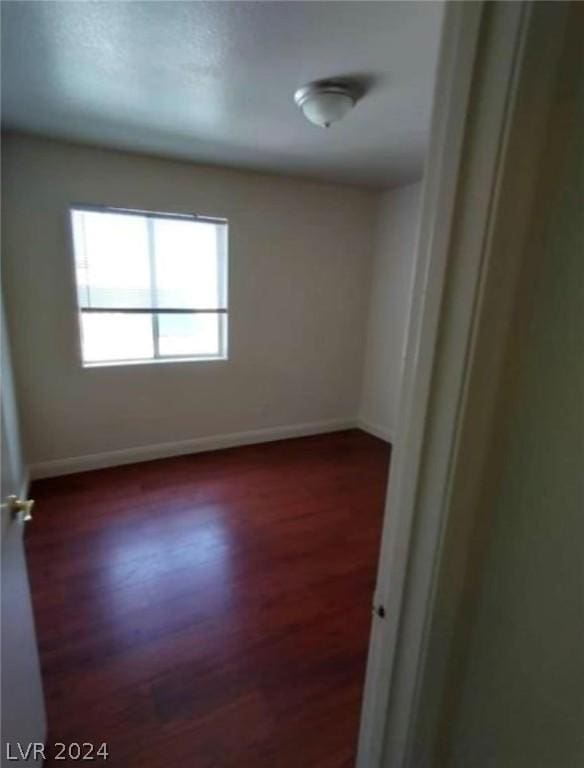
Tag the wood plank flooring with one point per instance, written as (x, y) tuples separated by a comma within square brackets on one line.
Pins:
[(213, 610)]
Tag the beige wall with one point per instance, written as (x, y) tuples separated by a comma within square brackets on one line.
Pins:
[(521, 691), (300, 258), (391, 293)]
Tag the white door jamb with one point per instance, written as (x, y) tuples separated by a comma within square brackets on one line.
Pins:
[(475, 105)]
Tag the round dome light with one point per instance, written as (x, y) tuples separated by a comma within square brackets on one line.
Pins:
[(325, 102)]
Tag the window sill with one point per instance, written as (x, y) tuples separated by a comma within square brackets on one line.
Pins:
[(156, 361)]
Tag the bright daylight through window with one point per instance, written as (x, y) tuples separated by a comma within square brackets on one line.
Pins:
[(150, 287)]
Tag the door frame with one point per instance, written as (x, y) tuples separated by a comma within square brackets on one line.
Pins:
[(495, 82)]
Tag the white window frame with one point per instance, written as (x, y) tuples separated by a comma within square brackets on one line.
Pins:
[(157, 358)]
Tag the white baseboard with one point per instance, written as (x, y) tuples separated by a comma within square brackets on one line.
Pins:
[(375, 429), (196, 445)]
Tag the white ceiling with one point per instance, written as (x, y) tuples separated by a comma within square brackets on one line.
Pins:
[(214, 81)]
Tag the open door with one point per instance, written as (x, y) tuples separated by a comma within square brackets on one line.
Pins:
[(23, 709)]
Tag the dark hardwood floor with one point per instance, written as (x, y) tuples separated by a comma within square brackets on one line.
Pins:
[(213, 610)]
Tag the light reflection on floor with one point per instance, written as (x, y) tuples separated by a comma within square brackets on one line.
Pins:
[(141, 568)]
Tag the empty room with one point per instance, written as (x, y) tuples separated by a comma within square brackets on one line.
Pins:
[(209, 217), (291, 384)]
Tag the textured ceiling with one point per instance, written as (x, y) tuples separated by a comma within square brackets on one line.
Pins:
[(214, 81)]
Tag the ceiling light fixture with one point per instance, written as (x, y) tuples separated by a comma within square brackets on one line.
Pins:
[(326, 101)]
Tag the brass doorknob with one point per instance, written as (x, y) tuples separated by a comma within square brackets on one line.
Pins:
[(21, 508)]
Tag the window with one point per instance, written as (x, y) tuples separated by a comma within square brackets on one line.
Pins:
[(150, 287)]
